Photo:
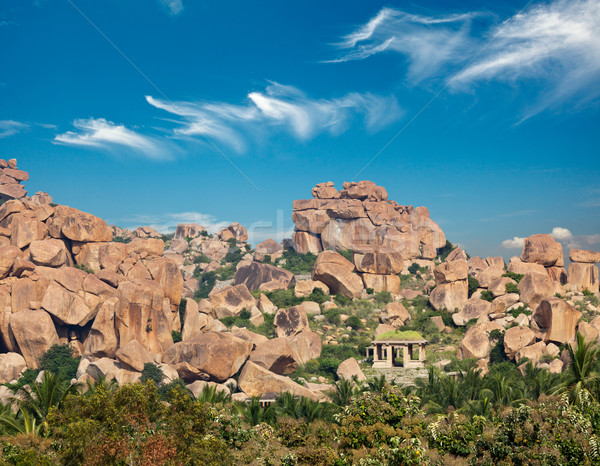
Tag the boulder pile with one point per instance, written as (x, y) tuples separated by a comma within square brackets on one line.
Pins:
[(10, 180), (382, 234)]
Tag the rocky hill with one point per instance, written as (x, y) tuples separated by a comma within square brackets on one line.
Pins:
[(210, 310)]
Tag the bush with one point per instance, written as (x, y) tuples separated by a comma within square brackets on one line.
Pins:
[(512, 288), (347, 254), (283, 298), (84, 267), (369, 290), (202, 259), (245, 314), (515, 276), (354, 322), (487, 295), (332, 316), (413, 268), (318, 296), (447, 249), (342, 300), (382, 298), (60, 361), (121, 239), (176, 336), (296, 263), (473, 285), (152, 372), (207, 282)]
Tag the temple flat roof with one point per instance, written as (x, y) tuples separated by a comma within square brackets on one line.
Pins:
[(399, 342)]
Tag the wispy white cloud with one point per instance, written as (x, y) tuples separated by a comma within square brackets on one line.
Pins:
[(104, 134), (280, 106), (427, 42), (167, 222), (174, 7), (557, 43), (11, 127), (515, 243)]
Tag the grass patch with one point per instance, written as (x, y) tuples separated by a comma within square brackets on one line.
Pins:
[(401, 335)]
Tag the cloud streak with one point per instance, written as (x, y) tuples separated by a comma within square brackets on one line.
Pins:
[(279, 107), (556, 42), (555, 46), (560, 234), (103, 134), (427, 42), (11, 127), (174, 7)]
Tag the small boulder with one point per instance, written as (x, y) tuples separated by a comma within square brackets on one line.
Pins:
[(349, 369)]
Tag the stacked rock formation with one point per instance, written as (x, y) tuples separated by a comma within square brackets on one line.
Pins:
[(382, 234), (583, 273), (543, 254), (10, 180)]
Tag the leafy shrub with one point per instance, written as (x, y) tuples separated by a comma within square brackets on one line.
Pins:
[(512, 288), (332, 316), (206, 283), (515, 276), (226, 273), (298, 264), (60, 361), (245, 314), (202, 259), (318, 296), (447, 249), (176, 336), (369, 290), (413, 268), (497, 354), (84, 267), (473, 285), (487, 295), (342, 300), (354, 322), (182, 306), (234, 256), (152, 372), (382, 298), (283, 298), (121, 239), (347, 254), (520, 310)]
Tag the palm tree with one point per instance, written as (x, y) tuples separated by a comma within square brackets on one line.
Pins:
[(376, 384), (36, 400), (102, 383), (211, 395), (254, 413), (20, 422), (582, 374), (343, 393), (540, 382)]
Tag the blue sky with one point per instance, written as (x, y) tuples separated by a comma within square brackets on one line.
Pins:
[(158, 112)]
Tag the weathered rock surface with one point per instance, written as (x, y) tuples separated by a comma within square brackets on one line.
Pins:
[(335, 271), (543, 249), (134, 355), (276, 355), (34, 332), (394, 314), (516, 338), (254, 274), (217, 354), (349, 369), (535, 287), (584, 276), (557, 320), (474, 308), (11, 366), (581, 255), (255, 380), (231, 301), (289, 322)]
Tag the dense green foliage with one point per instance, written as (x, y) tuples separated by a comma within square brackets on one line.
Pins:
[(298, 264), (60, 361), (504, 417)]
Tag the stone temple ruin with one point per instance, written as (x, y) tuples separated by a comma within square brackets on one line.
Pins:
[(385, 353)]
